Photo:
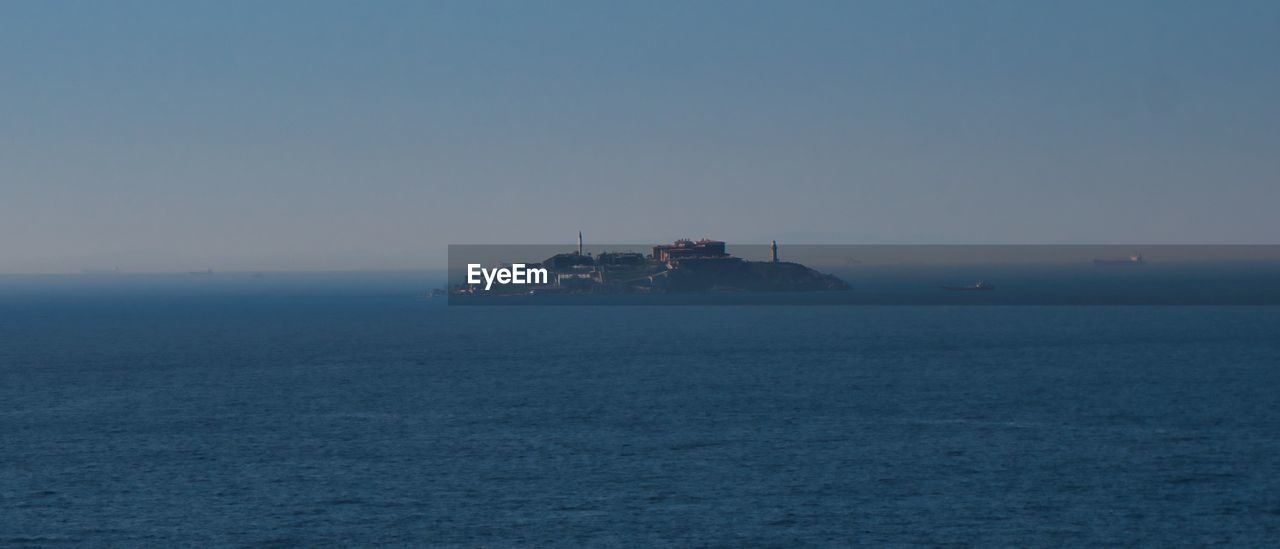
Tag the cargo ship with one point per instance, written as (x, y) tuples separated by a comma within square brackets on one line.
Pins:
[(1135, 259), (980, 286)]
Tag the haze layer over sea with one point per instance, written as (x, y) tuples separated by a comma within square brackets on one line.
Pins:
[(305, 410)]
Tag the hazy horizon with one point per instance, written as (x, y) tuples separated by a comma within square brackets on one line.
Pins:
[(303, 136)]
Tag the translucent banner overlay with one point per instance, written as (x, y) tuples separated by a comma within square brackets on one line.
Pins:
[(715, 273)]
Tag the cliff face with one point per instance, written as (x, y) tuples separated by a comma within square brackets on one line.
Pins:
[(749, 276)]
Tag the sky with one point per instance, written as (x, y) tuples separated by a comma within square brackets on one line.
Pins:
[(314, 135)]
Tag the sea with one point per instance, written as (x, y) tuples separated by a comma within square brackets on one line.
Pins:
[(341, 409)]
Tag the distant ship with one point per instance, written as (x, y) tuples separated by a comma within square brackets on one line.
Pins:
[(1135, 259), (980, 286), (201, 273)]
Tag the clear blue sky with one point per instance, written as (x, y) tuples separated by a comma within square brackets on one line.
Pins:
[(345, 135)]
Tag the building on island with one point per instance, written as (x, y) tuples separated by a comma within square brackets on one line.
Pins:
[(685, 248)]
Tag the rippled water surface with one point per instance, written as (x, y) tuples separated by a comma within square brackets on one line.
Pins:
[(353, 419)]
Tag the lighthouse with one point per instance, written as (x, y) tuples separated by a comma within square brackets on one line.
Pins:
[(775, 251), (579, 242)]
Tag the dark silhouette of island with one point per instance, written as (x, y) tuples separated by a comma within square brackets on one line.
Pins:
[(684, 266)]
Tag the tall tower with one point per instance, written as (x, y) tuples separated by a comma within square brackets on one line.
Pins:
[(775, 251), (579, 242)]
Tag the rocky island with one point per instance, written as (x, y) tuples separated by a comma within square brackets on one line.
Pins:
[(683, 267)]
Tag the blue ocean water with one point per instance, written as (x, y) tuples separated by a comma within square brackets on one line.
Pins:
[(358, 412)]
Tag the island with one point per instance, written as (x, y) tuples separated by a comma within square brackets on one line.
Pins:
[(682, 267)]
